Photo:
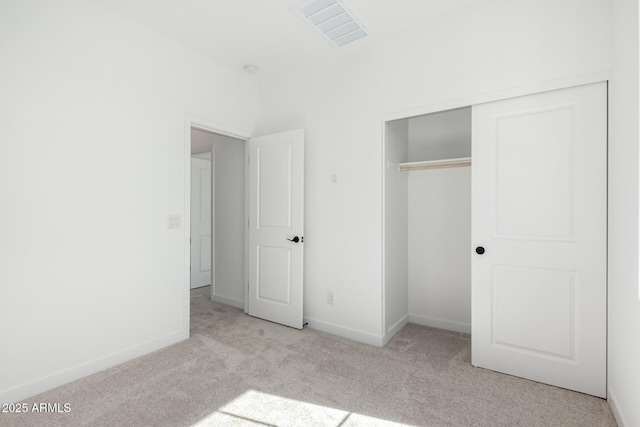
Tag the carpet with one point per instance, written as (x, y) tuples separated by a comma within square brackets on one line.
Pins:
[(239, 370)]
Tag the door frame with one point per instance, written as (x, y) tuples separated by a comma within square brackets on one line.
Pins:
[(193, 121), (596, 77)]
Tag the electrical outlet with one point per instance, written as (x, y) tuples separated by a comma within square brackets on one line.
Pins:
[(330, 300)]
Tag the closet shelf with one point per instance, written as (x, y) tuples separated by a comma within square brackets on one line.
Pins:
[(435, 164)]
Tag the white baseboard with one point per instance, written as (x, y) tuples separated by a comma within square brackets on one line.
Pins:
[(615, 408), (435, 322), (341, 331), (64, 376), (238, 303), (394, 330)]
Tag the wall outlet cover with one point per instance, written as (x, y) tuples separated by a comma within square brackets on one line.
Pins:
[(175, 221)]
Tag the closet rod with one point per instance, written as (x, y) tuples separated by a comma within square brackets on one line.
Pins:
[(435, 164), (425, 167)]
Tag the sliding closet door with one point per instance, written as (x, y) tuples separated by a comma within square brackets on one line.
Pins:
[(539, 237)]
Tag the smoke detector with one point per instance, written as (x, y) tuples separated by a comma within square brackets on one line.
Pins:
[(250, 69)]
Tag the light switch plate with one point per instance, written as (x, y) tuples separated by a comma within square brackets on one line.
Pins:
[(175, 221)]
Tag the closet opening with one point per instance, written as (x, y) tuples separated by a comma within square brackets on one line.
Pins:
[(427, 214), (526, 224)]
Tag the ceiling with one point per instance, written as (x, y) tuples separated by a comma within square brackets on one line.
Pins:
[(269, 33)]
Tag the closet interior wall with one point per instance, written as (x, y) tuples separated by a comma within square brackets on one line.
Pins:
[(428, 223)]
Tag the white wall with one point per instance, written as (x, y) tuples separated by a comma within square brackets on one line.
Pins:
[(396, 228), (444, 135), (495, 45), (624, 306), (229, 222), (91, 164), (440, 248), (440, 223)]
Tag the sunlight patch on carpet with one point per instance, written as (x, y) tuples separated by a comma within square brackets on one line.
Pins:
[(254, 408)]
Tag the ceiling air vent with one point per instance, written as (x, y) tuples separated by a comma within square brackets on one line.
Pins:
[(333, 20)]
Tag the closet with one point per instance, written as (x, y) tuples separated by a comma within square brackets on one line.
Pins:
[(428, 175), (495, 222)]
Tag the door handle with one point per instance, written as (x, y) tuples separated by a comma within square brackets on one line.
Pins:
[(294, 240), (480, 250)]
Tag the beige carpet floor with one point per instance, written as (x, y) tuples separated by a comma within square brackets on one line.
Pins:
[(238, 370)]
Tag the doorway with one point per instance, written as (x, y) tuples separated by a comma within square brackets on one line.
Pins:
[(234, 198), (217, 169)]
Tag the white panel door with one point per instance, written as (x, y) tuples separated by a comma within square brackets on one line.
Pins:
[(201, 256), (276, 226), (539, 210)]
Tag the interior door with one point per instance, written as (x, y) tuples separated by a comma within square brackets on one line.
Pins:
[(276, 226), (201, 256), (539, 221)]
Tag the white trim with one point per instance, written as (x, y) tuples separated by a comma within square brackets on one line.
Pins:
[(513, 92), (245, 287), (215, 127), (395, 329), (233, 302), (56, 379), (383, 237), (192, 121), (615, 409), (341, 331), (213, 221), (186, 221), (435, 322)]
